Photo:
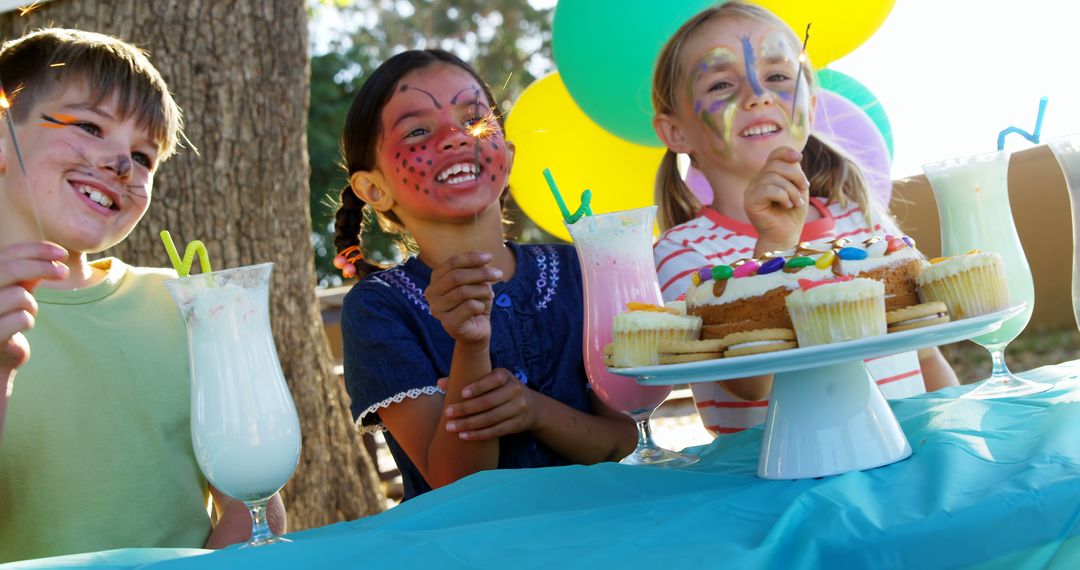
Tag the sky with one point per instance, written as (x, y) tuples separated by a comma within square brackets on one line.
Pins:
[(951, 74)]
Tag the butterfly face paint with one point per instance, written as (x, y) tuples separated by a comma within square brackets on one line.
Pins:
[(442, 151), (741, 90)]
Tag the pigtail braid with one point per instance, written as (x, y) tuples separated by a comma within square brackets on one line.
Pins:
[(835, 176), (677, 203)]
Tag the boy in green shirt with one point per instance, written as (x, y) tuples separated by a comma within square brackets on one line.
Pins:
[(97, 452)]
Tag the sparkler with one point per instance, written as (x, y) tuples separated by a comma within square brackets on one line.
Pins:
[(798, 77), (6, 105)]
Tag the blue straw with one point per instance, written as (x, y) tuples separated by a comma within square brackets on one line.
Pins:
[(1033, 137)]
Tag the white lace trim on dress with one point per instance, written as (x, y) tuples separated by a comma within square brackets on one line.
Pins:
[(411, 393)]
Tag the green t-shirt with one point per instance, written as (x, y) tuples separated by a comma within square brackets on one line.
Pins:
[(97, 448)]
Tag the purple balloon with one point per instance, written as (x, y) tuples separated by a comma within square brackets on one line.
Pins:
[(843, 123), (699, 185)]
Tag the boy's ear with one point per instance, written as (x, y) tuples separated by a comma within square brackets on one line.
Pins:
[(369, 186), (670, 132)]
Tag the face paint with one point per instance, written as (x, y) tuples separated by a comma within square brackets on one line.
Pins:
[(715, 109), (739, 84), (776, 46), (444, 153)]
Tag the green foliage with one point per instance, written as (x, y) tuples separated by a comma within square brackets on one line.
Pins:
[(507, 41)]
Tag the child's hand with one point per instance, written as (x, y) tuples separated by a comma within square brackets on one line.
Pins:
[(776, 200), (460, 296), (22, 266), (495, 405)]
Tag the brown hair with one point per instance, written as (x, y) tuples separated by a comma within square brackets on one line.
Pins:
[(360, 140), (38, 64), (831, 172)]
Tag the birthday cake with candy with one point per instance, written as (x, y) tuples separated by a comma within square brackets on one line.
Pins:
[(750, 294)]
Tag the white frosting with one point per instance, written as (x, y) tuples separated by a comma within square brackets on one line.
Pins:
[(679, 306), (639, 320), (737, 288), (753, 343), (958, 264), (837, 292)]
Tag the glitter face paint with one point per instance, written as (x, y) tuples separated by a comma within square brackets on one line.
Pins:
[(766, 63), (442, 151)]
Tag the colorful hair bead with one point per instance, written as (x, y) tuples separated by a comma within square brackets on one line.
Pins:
[(771, 266), (347, 259), (746, 269), (722, 272), (896, 244), (704, 273), (826, 260), (852, 253)]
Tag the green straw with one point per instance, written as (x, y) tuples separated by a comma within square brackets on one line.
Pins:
[(183, 268), (585, 209)]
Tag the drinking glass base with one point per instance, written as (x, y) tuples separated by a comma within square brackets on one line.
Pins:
[(269, 540), (659, 457), (1005, 386)]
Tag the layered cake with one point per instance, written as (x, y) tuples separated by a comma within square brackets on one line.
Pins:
[(750, 294)]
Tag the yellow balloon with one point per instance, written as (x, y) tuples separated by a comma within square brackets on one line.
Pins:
[(839, 26), (550, 131)]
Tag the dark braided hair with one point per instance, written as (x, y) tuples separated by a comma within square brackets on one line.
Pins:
[(360, 140)]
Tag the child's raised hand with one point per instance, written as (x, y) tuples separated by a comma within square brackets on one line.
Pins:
[(497, 404), (460, 296), (776, 200), (22, 266)]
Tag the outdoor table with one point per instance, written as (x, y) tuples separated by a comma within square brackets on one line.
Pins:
[(991, 483)]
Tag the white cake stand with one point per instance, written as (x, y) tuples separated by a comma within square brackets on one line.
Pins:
[(826, 416)]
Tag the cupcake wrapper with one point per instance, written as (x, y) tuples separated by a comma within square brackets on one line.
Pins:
[(970, 293), (837, 322), (642, 348)]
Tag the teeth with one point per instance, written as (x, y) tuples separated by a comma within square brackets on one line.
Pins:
[(96, 196), (759, 130), (470, 170)]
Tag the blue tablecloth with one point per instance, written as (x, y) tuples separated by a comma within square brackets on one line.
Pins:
[(992, 483)]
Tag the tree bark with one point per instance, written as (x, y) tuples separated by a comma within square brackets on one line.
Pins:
[(240, 71)]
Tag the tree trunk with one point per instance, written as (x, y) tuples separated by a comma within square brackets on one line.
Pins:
[(240, 71)]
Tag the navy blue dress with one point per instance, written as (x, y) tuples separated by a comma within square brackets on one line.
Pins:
[(395, 349)]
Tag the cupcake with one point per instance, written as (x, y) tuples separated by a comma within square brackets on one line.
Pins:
[(637, 333), (970, 285), (835, 310)]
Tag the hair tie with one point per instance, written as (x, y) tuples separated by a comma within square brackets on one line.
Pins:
[(346, 260)]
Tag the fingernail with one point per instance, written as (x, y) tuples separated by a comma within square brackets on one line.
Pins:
[(449, 412), (451, 426), (464, 435), (467, 392), (497, 273)]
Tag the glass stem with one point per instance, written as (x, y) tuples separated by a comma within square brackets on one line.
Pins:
[(644, 434), (260, 530), (1000, 370)]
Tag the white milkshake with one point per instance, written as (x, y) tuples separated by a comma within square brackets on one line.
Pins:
[(244, 426)]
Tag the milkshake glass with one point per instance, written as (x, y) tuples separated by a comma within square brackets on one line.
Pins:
[(615, 252), (244, 426), (972, 195)]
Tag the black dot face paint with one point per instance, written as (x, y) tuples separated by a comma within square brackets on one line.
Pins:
[(419, 160)]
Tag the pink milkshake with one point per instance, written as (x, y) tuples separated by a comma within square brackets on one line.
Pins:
[(615, 251)]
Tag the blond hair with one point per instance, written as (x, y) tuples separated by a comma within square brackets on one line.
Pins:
[(832, 173)]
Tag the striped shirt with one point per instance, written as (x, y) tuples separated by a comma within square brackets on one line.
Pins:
[(713, 239)]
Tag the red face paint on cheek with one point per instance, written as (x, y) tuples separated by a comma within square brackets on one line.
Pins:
[(410, 165)]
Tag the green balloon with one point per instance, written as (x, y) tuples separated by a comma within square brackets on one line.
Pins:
[(605, 51), (850, 89)]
